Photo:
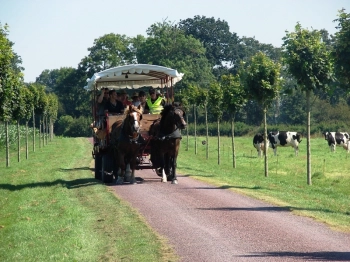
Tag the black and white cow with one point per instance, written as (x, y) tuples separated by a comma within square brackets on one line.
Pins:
[(337, 139), (285, 138), (258, 143)]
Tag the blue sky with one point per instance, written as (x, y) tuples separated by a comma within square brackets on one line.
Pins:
[(50, 34)]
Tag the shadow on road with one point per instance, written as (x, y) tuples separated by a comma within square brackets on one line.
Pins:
[(316, 256)]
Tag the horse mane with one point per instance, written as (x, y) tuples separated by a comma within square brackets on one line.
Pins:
[(132, 108)]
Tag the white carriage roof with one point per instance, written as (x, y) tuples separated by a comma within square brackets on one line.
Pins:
[(134, 76)]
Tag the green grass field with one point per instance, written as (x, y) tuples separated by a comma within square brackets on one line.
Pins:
[(52, 209), (326, 200)]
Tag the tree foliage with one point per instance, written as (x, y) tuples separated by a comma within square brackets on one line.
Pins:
[(168, 46), (341, 51), (262, 79)]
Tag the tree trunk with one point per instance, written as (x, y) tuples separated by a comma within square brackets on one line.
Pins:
[(187, 132), (218, 125), (27, 153), (233, 141), (39, 132), (265, 147), (18, 143), (195, 129), (308, 148), (51, 129), (33, 130), (44, 131), (207, 132), (7, 144)]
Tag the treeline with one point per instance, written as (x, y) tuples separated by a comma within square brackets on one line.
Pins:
[(217, 65)]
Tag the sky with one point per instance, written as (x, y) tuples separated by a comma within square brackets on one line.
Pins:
[(50, 34)]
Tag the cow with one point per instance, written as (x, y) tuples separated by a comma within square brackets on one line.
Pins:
[(285, 138), (337, 139), (258, 143)]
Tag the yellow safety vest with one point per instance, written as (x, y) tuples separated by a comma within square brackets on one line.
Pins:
[(156, 107)]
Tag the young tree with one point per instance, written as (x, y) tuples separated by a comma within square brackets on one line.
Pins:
[(309, 61), (234, 97), (27, 106), (261, 80), (10, 78), (52, 111), (215, 94)]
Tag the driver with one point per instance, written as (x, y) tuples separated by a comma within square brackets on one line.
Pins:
[(154, 104)]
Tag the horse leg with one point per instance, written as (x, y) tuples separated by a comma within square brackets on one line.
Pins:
[(128, 172), (132, 171), (121, 170), (164, 176), (173, 165)]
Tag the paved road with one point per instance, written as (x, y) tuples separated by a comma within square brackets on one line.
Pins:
[(205, 223)]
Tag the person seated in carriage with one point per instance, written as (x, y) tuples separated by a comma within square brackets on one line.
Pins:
[(102, 101), (154, 104), (114, 106)]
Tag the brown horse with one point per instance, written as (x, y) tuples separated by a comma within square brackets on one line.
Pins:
[(166, 141), (125, 140)]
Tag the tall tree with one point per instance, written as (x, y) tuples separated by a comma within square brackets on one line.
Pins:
[(221, 45), (341, 51), (262, 83), (10, 78), (309, 61), (108, 51), (168, 46), (234, 97)]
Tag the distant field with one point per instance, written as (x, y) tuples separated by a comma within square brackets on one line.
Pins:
[(327, 199)]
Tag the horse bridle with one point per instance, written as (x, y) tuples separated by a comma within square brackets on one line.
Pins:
[(133, 139)]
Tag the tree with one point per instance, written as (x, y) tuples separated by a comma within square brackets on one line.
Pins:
[(341, 52), (108, 51), (221, 45), (27, 100), (234, 97), (215, 104), (52, 111), (168, 46), (261, 79), (10, 78), (309, 61)]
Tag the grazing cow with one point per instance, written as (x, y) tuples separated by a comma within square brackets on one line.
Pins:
[(338, 139), (258, 143), (285, 138)]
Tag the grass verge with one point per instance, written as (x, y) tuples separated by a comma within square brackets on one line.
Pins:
[(52, 209)]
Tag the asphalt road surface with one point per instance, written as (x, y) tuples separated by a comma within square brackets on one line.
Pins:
[(204, 223)]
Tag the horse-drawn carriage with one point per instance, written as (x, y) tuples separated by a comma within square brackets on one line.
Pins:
[(133, 140)]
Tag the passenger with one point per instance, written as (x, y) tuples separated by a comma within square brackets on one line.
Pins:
[(114, 106), (102, 101), (154, 104), (124, 98), (135, 99), (142, 98)]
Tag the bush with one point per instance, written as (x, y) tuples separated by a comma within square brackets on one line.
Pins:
[(73, 127)]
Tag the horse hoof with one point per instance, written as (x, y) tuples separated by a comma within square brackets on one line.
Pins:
[(174, 182), (133, 182), (120, 180), (164, 180), (127, 178)]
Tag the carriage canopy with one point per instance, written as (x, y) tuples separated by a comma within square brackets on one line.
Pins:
[(134, 76)]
